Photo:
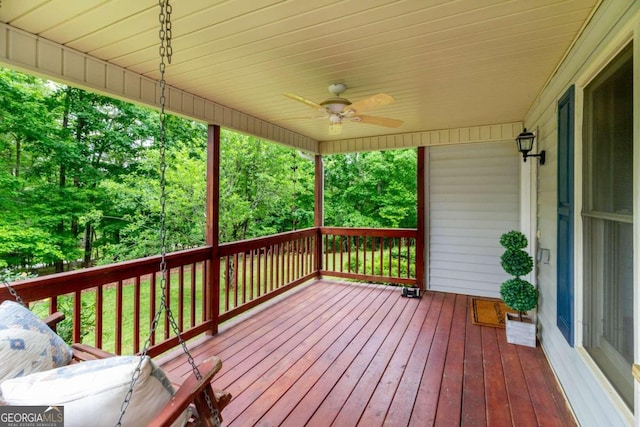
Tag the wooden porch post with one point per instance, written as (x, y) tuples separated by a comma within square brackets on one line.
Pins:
[(318, 213), (420, 238), (212, 232)]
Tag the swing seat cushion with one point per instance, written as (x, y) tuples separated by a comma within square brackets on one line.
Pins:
[(27, 344), (92, 392)]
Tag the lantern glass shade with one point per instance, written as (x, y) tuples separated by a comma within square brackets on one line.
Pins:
[(525, 141)]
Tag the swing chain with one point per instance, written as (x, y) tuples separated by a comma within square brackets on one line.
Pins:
[(165, 50), (13, 292)]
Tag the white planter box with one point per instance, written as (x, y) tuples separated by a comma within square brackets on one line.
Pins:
[(522, 333)]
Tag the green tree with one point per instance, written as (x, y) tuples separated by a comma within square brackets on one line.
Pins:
[(264, 188), (373, 189)]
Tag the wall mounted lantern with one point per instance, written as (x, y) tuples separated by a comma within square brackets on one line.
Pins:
[(525, 144)]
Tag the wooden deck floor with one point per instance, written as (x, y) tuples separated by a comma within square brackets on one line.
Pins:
[(347, 354)]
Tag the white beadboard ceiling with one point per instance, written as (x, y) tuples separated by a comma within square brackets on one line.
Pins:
[(448, 64)]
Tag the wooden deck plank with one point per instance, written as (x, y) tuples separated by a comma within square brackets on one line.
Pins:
[(352, 354), (316, 336), (424, 411), (497, 399), (371, 363), (563, 411), (473, 391), (376, 410), (540, 391), (450, 399), (329, 404), (252, 326), (402, 405), (522, 412), (265, 341), (306, 380)]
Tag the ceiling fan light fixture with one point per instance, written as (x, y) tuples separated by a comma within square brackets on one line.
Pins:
[(335, 118), (336, 105)]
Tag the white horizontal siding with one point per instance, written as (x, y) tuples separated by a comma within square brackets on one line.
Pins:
[(473, 199), (593, 400)]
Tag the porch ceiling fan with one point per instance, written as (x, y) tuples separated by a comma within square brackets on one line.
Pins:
[(338, 109)]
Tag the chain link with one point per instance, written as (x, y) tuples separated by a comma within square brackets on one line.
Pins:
[(12, 291), (165, 51)]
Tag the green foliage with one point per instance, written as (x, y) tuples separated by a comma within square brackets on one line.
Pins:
[(264, 188), (371, 266), (519, 294), (516, 293), (25, 246), (79, 181), (516, 262), (513, 240), (375, 189), (87, 318)]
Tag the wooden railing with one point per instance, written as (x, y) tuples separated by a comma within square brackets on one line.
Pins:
[(127, 294), (253, 271), (375, 255), (112, 307)]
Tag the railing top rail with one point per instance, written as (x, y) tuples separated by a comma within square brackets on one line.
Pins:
[(71, 281), (261, 242), (370, 232)]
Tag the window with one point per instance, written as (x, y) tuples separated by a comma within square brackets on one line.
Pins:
[(608, 222)]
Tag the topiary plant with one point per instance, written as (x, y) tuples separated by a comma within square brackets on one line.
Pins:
[(517, 294)]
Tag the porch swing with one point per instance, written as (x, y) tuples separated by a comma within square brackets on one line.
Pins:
[(195, 402)]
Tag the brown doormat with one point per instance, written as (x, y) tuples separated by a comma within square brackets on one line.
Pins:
[(488, 312)]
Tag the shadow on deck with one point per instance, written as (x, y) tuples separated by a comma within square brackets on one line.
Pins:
[(343, 354)]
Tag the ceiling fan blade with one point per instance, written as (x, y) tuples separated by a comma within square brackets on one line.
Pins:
[(372, 102), (380, 121), (304, 101)]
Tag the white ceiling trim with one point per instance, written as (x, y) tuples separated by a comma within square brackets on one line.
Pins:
[(464, 135), (23, 51)]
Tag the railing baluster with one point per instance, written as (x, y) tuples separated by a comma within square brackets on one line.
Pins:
[(333, 248), (408, 257), (326, 252), (77, 319), (53, 304), (181, 298), (290, 259), (192, 299), (167, 297), (152, 303), (341, 254), (136, 314), (357, 254), (259, 271), (382, 240), (364, 256), (271, 269), (205, 291), (391, 244), (399, 256), (234, 271), (282, 253), (251, 280), (244, 277), (99, 305), (298, 260), (118, 319), (349, 254), (227, 282)]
